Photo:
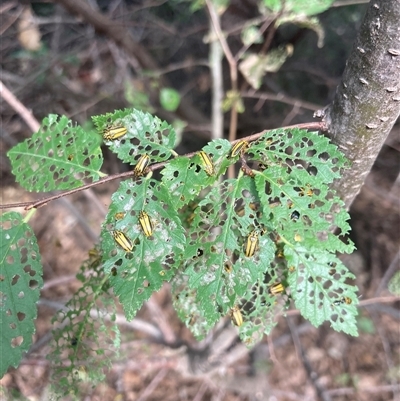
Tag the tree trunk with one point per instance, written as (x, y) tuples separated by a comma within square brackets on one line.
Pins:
[(367, 102)]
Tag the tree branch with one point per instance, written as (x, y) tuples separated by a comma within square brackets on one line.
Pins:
[(367, 103)]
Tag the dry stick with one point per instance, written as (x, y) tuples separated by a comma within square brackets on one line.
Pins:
[(10, 22), (281, 98), (26, 115), (153, 384), (318, 126), (201, 391), (322, 393), (60, 280), (385, 310), (217, 116), (271, 33), (263, 28), (271, 350), (362, 389), (386, 348), (80, 218), (179, 66), (232, 72), (348, 3), (289, 395), (292, 114), (282, 340), (162, 322), (366, 302)]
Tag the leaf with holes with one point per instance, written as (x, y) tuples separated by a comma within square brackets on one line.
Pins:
[(293, 188), (20, 284), (146, 134), (318, 283), (216, 261), (59, 156), (217, 151), (308, 219), (85, 327), (186, 177), (187, 308), (259, 308), (299, 148), (152, 260)]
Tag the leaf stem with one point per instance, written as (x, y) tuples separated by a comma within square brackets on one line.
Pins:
[(29, 215)]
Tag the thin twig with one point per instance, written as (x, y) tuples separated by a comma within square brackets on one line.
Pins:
[(179, 66), (80, 218), (281, 98), (365, 302), (11, 20), (322, 393), (153, 384), (394, 266), (199, 396), (162, 322), (232, 72), (318, 126), (217, 117), (263, 28), (26, 115), (362, 389), (385, 345), (217, 28), (385, 310), (348, 3)]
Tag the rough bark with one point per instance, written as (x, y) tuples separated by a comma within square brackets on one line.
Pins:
[(367, 102)]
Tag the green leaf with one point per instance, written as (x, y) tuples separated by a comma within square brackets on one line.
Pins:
[(146, 134), (317, 282), (220, 230), (259, 307), (59, 156), (233, 99), (182, 177), (169, 99), (303, 21), (188, 310), (218, 150), (137, 274), (185, 177), (255, 66), (137, 96), (366, 325), (294, 191), (20, 284), (394, 284), (250, 35)]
